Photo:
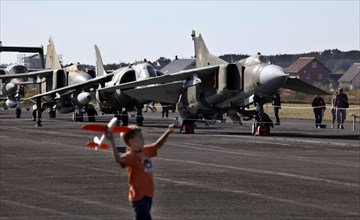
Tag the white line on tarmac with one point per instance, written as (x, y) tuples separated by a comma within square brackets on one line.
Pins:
[(51, 211), (266, 155), (261, 196), (251, 170)]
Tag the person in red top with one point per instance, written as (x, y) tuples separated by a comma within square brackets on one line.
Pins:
[(137, 160)]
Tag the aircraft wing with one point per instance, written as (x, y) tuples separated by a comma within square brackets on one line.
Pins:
[(92, 83), (179, 76), (27, 75), (168, 93), (301, 86)]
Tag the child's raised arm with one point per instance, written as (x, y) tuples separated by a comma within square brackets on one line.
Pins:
[(160, 142)]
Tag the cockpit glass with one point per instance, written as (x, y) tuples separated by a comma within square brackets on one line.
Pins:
[(80, 68), (264, 59), (18, 69), (151, 71)]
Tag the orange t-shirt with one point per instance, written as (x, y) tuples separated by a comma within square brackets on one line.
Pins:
[(140, 172)]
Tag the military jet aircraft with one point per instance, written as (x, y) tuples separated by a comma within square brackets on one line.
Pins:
[(58, 87), (216, 87), (116, 102)]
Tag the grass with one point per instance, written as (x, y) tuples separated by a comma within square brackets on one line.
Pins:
[(305, 111)]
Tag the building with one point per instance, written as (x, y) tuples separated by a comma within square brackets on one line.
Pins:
[(351, 77), (309, 69)]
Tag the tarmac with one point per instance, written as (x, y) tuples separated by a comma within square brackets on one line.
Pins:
[(220, 172)]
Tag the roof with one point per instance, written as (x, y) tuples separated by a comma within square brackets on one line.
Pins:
[(178, 65), (299, 64), (351, 73)]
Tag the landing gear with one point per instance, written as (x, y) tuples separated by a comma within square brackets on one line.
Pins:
[(187, 127), (91, 112), (78, 116), (52, 113), (18, 111)]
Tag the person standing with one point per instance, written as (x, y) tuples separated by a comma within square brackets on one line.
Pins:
[(341, 104), (137, 160), (276, 102), (333, 110), (318, 105)]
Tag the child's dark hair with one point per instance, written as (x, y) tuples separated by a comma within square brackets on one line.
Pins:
[(127, 136)]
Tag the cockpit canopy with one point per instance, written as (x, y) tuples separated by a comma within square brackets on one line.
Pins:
[(146, 70), (16, 69), (256, 59)]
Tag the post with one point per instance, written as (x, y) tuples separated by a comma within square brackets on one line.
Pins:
[(354, 121)]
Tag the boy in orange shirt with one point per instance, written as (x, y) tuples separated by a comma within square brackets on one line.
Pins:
[(139, 166)]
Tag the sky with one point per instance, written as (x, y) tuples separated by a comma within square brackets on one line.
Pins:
[(129, 31)]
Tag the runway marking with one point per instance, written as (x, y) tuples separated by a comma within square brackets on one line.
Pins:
[(275, 139), (51, 211), (262, 196), (268, 155), (263, 172), (324, 208)]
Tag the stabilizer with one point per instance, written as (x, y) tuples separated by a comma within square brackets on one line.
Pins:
[(52, 60), (202, 55), (100, 71)]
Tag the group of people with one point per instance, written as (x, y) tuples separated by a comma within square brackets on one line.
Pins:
[(339, 104)]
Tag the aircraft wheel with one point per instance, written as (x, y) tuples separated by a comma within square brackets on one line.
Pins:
[(18, 113), (52, 113), (254, 127)]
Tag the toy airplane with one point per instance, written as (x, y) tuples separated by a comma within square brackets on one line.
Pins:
[(110, 127)]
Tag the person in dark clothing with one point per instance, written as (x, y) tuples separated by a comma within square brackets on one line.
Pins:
[(341, 104), (276, 102), (318, 105), (165, 109)]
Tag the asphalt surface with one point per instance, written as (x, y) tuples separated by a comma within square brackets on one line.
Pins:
[(220, 172)]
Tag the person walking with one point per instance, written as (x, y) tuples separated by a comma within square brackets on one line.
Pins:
[(333, 110), (318, 105), (341, 104)]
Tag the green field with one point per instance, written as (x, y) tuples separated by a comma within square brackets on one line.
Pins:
[(305, 111)]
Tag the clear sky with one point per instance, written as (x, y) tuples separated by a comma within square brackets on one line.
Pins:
[(126, 31)]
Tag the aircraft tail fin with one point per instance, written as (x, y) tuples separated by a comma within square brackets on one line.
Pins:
[(52, 60), (100, 71), (203, 56)]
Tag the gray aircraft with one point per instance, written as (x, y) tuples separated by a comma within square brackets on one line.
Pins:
[(216, 87), (59, 88), (116, 102)]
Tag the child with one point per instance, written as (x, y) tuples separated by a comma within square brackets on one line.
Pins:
[(140, 173)]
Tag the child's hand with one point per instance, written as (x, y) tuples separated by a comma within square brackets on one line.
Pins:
[(172, 127)]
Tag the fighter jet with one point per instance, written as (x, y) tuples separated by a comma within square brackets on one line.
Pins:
[(215, 88), (63, 89), (117, 102)]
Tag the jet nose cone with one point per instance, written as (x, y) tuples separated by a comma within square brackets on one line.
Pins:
[(272, 77)]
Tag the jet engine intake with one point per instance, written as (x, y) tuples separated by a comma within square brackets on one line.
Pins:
[(11, 103), (84, 98)]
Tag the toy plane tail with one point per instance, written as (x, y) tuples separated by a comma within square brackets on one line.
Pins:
[(203, 56)]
